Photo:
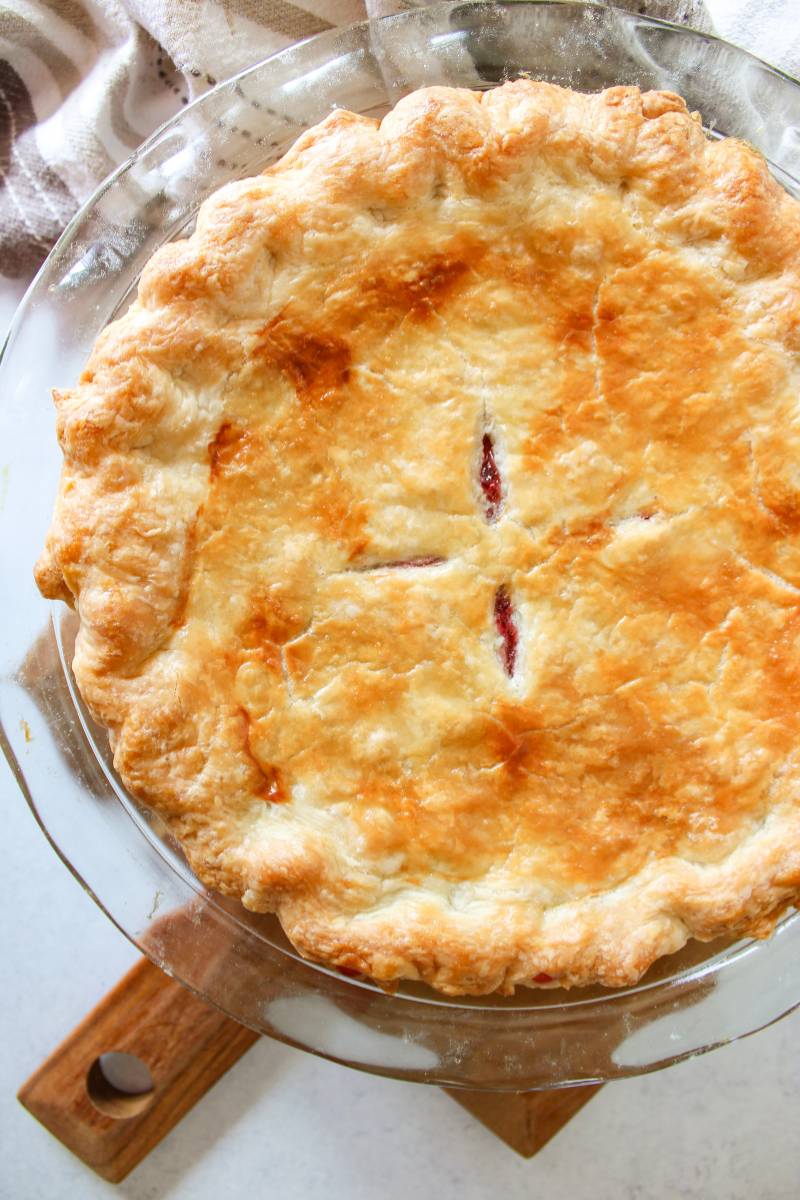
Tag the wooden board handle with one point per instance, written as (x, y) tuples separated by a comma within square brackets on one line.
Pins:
[(186, 1045)]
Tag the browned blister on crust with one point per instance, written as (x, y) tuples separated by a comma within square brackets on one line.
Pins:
[(433, 519)]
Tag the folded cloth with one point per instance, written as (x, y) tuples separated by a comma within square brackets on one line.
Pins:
[(83, 82)]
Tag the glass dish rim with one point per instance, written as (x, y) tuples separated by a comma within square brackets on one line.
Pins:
[(715, 964)]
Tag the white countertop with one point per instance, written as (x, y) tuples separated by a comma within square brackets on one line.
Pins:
[(282, 1123)]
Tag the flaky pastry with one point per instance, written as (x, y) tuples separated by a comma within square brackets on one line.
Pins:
[(433, 520)]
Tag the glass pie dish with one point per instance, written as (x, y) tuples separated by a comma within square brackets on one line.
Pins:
[(703, 997)]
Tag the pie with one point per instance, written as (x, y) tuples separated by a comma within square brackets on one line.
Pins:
[(433, 520)]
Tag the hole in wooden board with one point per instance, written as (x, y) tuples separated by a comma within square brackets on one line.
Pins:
[(120, 1085)]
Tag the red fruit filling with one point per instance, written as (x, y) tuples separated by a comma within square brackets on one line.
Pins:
[(506, 627), (424, 560), (491, 483)]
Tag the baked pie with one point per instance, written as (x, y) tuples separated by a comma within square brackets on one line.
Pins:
[(433, 519)]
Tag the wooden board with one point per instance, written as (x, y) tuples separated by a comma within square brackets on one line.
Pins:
[(525, 1121), (187, 1046)]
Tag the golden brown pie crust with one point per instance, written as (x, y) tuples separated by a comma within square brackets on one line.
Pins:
[(291, 580)]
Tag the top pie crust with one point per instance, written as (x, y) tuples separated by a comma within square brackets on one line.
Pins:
[(433, 519)]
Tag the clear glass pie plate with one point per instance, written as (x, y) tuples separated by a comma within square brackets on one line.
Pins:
[(705, 996)]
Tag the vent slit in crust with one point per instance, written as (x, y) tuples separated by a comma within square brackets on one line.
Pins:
[(506, 626), (395, 564), (491, 483)]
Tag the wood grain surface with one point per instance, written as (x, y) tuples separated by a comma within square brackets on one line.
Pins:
[(187, 1045), (525, 1121)]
